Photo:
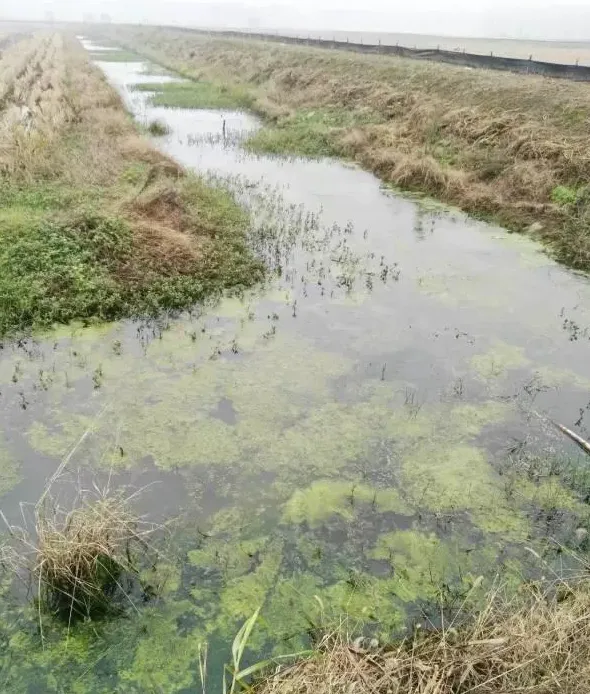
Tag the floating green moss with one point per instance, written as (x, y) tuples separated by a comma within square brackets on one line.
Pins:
[(447, 477), (556, 378), (326, 498), (458, 289), (499, 359), (9, 469), (164, 657), (547, 494), (419, 563), (366, 600), (242, 595)]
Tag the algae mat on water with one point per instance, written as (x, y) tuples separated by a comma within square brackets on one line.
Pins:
[(306, 490)]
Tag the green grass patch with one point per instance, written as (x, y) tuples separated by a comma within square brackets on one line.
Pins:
[(564, 195), (196, 95), (52, 272), (118, 56), (312, 133), (59, 265), (45, 196)]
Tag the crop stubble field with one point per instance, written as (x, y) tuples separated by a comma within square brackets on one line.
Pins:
[(567, 53)]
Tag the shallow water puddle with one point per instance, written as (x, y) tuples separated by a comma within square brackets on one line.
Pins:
[(361, 428)]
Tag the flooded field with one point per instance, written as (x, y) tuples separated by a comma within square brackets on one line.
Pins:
[(367, 432)]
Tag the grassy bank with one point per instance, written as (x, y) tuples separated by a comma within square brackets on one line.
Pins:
[(535, 643), (94, 222), (509, 148)]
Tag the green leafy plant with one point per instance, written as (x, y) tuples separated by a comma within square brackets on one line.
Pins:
[(563, 195)]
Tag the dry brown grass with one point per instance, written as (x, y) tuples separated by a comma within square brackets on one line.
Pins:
[(78, 556), (494, 144), (538, 644)]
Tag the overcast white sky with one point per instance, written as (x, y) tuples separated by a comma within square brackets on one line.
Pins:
[(500, 18)]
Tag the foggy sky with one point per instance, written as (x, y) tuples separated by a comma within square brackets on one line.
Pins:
[(543, 19)]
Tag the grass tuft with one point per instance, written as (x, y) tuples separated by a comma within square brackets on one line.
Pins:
[(81, 555), (80, 558), (158, 128), (196, 94)]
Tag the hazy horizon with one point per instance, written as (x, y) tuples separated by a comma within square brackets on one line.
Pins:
[(453, 18)]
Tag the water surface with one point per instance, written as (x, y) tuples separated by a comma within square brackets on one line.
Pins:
[(357, 434)]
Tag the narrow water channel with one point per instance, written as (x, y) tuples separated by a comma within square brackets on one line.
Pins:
[(351, 436)]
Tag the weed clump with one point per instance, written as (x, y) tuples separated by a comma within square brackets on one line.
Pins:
[(158, 128), (81, 555), (81, 558)]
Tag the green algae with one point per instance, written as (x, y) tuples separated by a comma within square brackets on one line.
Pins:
[(467, 421), (57, 442), (457, 290), (428, 569), (419, 561), (498, 360), (365, 599), (163, 578), (547, 494), (326, 498), (9, 469), (530, 253), (164, 659), (242, 595), (556, 378), (289, 611), (234, 559), (451, 477), (154, 649), (155, 414), (496, 516)]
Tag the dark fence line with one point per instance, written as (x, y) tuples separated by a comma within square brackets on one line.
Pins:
[(579, 73)]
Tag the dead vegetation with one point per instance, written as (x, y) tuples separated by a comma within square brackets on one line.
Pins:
[(537, 643), (81, 554), (497, 145), (79, 557)]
